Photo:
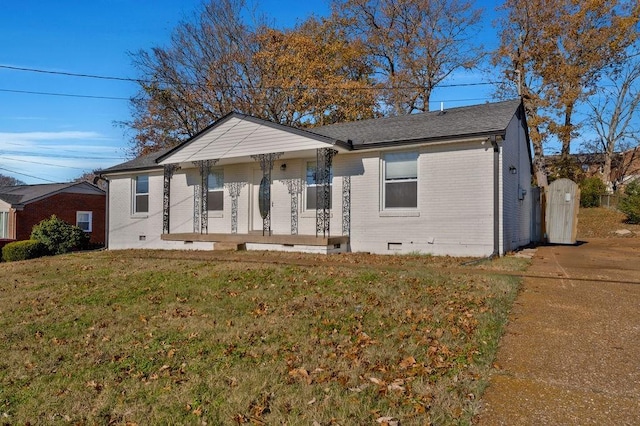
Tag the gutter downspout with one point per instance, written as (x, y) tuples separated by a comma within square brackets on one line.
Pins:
[(496, 196), (106, 215), (106, 206)]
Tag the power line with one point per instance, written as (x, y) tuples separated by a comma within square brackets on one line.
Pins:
[(24, 174), (69, 95), (43, 164), (70, 74), (67, 157), (231, 86)]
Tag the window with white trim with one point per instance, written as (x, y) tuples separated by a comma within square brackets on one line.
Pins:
[(84, 221), (4, 224), (215, 197), (141, 194), (400, 188), (312, 186)]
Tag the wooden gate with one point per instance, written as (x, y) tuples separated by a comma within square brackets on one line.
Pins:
[(562, 203)]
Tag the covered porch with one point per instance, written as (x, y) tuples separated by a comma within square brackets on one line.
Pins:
[(258, 241), (231, 146)]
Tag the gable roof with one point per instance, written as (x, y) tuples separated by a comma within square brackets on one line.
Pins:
[(238, 136), (21, 195), (468, 121)]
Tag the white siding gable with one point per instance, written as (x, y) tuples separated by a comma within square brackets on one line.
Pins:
[(236, 138)]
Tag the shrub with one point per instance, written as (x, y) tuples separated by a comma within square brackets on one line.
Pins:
[(590, 191), (630, 204), (23, 250), (59, 236)]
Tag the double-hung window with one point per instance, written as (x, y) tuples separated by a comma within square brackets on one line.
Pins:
[(400, 180), (313, 186), (141, 194), (4, 224), (215, 197), (84, 221)]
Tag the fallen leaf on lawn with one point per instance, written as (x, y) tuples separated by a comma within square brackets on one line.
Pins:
[(407, 362), (388, 421), (301, 373), (313, 401), (396, 385), (376, 381)]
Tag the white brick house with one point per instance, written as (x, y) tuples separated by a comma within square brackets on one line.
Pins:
[(453, 182)]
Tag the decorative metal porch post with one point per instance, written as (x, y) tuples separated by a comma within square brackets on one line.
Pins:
[(346, 205), (295, 188), (234, 189), (169, 170), (264, 196), (200, 199), (324, 159)]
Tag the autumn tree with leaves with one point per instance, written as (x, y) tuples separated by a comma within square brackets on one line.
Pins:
[(412, 45), (558, 51), (217, 64), (312, 75)]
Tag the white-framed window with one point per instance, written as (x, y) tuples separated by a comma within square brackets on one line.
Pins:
[(84, 221), (141, 194), (4, 224), (215, 198), (400, 186), (312, 186)]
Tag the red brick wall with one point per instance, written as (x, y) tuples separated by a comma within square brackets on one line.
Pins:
[(64, 206)]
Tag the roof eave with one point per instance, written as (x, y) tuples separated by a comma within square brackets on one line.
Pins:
[(430, 141)]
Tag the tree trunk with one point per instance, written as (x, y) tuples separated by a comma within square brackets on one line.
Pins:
[(539, 168), (565, 134)]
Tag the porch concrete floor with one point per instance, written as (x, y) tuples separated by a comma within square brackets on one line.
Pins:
[(304, 240)]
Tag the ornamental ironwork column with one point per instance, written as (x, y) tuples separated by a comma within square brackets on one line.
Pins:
[(295, 188), (324, 159), (234, 189), (201, 192), (264, 195), (169, 170), (346, 205)]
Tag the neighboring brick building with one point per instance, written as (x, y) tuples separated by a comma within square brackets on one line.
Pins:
[(77, 203)]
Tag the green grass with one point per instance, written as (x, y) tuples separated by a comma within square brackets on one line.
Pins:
[(154, 337)]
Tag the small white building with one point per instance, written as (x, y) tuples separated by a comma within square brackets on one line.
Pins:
[(453, 182)]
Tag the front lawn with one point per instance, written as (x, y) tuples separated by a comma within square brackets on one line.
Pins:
[(154, 337)]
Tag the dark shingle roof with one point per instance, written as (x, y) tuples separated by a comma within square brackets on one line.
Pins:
[(24, 194), (139, 163), (455, 122), (475, 120)]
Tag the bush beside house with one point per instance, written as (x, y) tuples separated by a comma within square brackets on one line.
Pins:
[(50, 236), (630, 204), (590, 190), (59, 236), (23, 250)]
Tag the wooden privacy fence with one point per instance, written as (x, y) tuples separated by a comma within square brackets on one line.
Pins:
[(562, 199)]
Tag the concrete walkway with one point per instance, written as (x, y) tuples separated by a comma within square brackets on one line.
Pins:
[(571, 352)]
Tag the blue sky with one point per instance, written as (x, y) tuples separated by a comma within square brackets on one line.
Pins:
[(46, 138)]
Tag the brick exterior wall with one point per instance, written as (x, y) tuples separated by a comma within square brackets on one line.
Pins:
[(64, 206)]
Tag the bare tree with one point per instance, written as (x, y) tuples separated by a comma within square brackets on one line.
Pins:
[(413, 45), (614, 114), (10, 181), (560, 49)]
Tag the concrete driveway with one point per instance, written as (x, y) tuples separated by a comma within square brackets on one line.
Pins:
[(571, 352)]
